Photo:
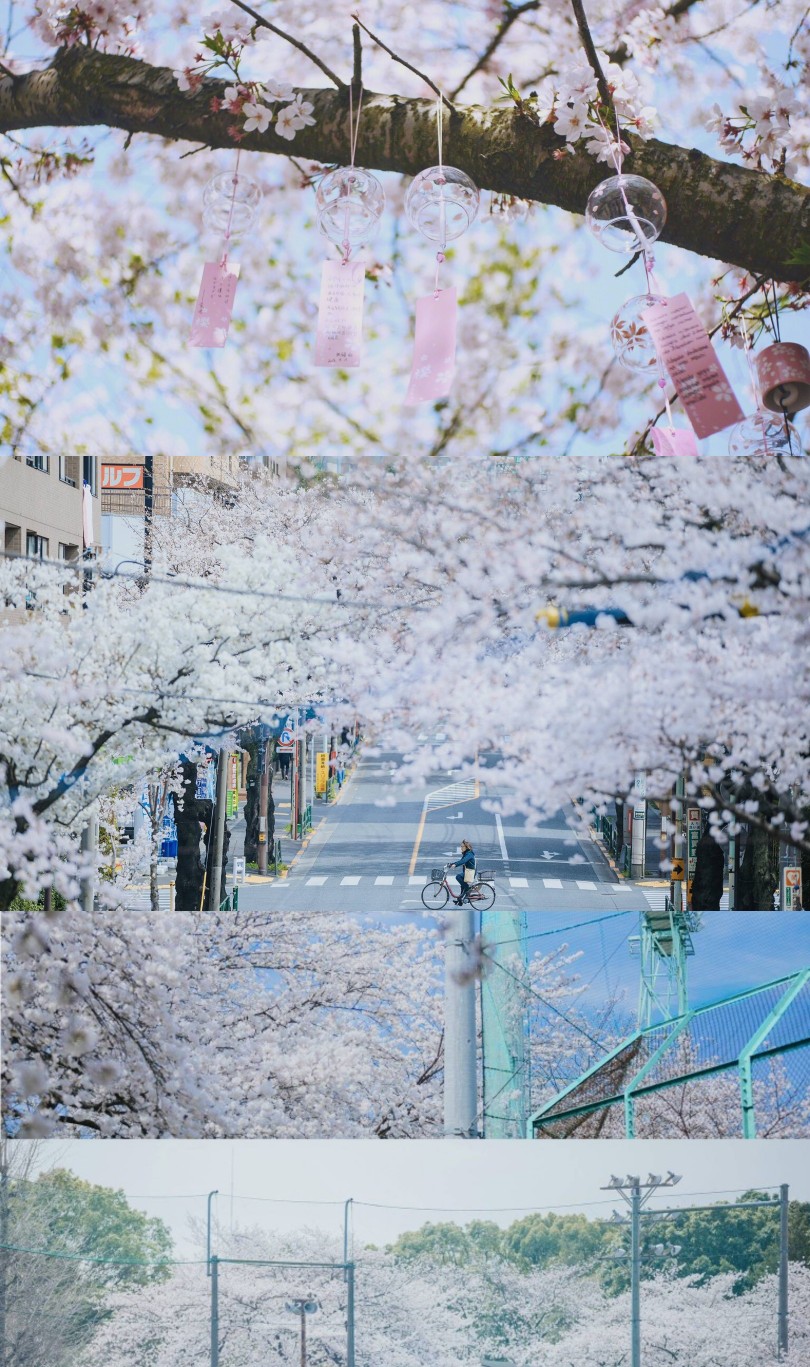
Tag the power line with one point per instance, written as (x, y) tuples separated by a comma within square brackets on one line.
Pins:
[(88, 568), (560, 930)]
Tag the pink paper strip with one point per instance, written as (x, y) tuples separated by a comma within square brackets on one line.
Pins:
[(212, 314), (434, 349), (339, 340), (674, 441), (694, 369)]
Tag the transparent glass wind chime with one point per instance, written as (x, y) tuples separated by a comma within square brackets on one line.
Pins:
[(651, 332), (442, 203), (349, 205), (230, 203)]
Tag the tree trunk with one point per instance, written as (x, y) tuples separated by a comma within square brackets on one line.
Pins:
[(707, 888), (190, 867), (759, 872)]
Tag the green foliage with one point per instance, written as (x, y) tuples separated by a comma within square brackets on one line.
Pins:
[(94, 1222), (745, 1242)]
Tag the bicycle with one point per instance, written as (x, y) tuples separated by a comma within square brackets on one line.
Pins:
[(437, 893)]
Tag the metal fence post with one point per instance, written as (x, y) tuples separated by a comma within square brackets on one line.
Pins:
[(215, 1311)]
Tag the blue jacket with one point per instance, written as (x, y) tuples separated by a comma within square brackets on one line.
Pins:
[(467, 861)]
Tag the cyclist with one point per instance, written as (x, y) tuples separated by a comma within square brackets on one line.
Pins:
[(467, 861)]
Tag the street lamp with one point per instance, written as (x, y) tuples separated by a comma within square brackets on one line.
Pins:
[(303, 1306)]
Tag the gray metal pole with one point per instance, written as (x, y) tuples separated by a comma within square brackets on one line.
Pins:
[(303, 1335), (635, 1276), (89, 845), (219, 830), (783, 1271), (350, 1315), (346, 1206), (460, 1055), (214, 1311), (211, 1196), (678, 885)]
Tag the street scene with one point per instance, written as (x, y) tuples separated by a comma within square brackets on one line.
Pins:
[(367, 855)]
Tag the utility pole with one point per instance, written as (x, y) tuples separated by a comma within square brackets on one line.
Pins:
[(460, 1055), (211, 1196), (89, 845), (264, 795), (783, 1272), (219, 829), (350, 1314), (214, 1267), (635, 1195), (635, 1274), (303, 1306), (638, 838)]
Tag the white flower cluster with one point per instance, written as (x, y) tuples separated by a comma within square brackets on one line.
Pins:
[(651, 34), (106, 23), (774, 144), (575, 107), (295, 111)]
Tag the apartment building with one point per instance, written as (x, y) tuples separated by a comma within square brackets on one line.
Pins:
[(50, 506)]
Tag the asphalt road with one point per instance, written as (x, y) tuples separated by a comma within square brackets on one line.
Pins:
[(372, 854)]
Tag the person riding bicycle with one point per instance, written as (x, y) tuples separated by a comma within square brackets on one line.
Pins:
[(467, 861)]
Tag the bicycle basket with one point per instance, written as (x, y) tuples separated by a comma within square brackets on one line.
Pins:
[(485, 875), (437, 875)]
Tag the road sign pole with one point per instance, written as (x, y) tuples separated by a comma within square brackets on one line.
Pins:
[(460, 1045), (783, 1271), (264, 794)]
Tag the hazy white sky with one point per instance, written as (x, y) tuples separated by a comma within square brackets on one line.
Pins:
[(170, 1178)]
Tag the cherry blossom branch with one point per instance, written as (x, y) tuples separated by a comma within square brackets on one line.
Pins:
[(590, 51), (718, 209), (402, 61), (288, 38)]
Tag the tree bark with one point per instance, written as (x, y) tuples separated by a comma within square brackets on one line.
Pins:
[(716, 209), (190, 868), (759, 872)]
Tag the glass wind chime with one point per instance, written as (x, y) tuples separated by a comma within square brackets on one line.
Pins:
[(653, 333), (230, 204), (442, 203), (349, 205)]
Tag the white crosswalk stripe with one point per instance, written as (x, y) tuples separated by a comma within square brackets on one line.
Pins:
[(384, 881), (585, 886), (518, 882), (656, 899), (315, 882), (350, 881), (552, 882), (416, 881)]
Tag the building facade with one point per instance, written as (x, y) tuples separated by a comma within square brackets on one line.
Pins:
[(50, 506)]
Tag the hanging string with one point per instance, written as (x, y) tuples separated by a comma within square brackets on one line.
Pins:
[(354, 131), (227, 237), (442, 208)]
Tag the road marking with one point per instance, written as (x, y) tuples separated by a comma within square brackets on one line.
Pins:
[(350, 881), (502, 843), (384, 882), (416, 882), (585, 886), (518, 882), (552, 883), (315, 882)]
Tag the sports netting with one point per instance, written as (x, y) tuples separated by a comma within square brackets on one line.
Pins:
[(739, 1067)]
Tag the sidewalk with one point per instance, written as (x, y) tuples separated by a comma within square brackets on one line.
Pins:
[(653, 878)]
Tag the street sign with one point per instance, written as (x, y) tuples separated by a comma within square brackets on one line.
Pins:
[(122, 476), (678, 871), (321, 771), (791, 888), (286, 740), (693, 829), (238, 870)]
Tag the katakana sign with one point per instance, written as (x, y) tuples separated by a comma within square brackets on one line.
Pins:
[(122, 476)]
